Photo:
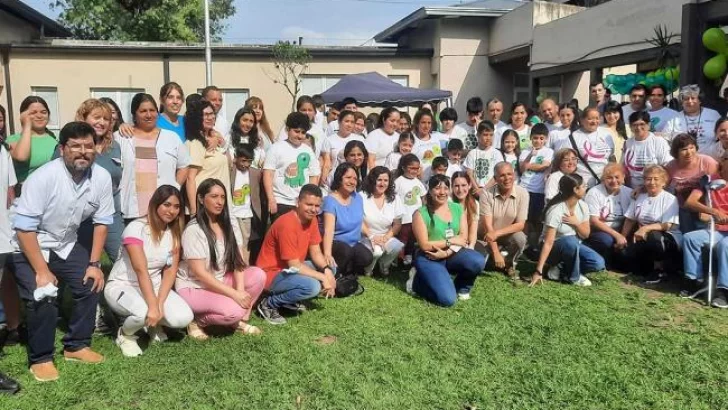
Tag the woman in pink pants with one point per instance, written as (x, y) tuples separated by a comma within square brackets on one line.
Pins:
[(212, 276)]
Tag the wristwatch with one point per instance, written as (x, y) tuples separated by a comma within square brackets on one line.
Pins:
[(95, 264)]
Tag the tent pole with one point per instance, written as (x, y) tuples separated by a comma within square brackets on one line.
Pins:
[(448, 102)]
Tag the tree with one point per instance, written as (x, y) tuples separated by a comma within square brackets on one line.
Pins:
[(290, 61), (143, 20)]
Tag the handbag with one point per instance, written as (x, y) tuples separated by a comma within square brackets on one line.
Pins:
[(347, 285)]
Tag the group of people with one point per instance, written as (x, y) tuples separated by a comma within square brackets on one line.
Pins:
[(206, 220)]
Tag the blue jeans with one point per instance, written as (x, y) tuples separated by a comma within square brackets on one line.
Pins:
[(41, 316), (693, 244), (575, 257), (690, 221), (603, 244), (290, 288), (113, 236), (433, 282)]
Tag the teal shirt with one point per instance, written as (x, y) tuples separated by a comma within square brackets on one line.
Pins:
[(436, 229), (42, 148)]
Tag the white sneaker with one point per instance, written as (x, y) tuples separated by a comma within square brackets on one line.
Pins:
[(128, 345), (157, 335), (464, 296), (583, 281), (554, 273), (407, 260), (408, 285)]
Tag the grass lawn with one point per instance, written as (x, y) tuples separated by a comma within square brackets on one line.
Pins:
[(612, 346)]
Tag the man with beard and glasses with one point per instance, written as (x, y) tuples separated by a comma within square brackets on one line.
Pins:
[(56, 198)]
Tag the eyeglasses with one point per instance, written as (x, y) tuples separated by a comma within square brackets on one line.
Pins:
[(79, 148), (208, 114)]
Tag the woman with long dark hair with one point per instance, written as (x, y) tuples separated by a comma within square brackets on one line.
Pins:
[(566, 225), (383, 211), (343, 214), (139, 288), (36, 144), (614, 122), (244, 130), (382, 140), (206, 160), (152, 157), (441, 229), (356, 154), (212, 277)]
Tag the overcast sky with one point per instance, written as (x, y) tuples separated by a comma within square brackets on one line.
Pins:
[(327, 22)]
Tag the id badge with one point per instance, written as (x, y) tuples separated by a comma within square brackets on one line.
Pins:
[(449, 233)]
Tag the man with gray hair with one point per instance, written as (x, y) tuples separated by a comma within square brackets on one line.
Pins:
[(694, 119), (503, 214)]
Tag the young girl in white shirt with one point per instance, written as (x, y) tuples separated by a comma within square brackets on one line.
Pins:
[(410, 190), (511, 150), (404, 146)]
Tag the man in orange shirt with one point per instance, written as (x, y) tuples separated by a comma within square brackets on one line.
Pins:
[(291, 279)]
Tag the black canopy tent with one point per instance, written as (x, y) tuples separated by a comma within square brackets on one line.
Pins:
[(374, 89)]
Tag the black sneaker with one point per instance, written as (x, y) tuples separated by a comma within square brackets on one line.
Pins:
[(13, 337), (690, 288), (720, 301), (295, 307), (655, 277), (271, 315), (8, 385)]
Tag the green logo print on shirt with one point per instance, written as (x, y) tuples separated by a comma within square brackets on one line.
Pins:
[(471, 142), (411, 198), (240, 196), (482, 168), (294, 176)]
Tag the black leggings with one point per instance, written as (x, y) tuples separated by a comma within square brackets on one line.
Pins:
[(659, 246), (351, 260)]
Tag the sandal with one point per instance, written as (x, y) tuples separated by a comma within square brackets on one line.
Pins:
[(248, 329), (195, 331)]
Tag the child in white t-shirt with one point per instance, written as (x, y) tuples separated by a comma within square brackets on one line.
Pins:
[(289, 165), (246, 189), (410, 190), (480, 162), (454, 157), (534, 163), (404, 146), (511, 150)]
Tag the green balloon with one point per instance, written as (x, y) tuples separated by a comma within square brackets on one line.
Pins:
[(714, 40), (671, 74), (715, 67)]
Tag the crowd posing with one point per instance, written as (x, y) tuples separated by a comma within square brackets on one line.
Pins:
[(207, 220)]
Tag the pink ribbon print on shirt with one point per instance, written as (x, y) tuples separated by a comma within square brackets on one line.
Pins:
[(628, 160), (592, 154)]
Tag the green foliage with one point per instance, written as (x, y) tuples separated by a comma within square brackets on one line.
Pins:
[(611, 346), (150, 20), (290, 62)]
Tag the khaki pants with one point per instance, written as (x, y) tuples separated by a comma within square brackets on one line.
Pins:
[(244, 224), (514, 243)]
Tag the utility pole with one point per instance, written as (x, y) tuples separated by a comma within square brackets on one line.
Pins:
[(208, 51)]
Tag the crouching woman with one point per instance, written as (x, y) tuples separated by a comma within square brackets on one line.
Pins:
[(566, 225), (140, 283)]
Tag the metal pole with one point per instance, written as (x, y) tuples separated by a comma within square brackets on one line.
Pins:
[(208, 51)]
